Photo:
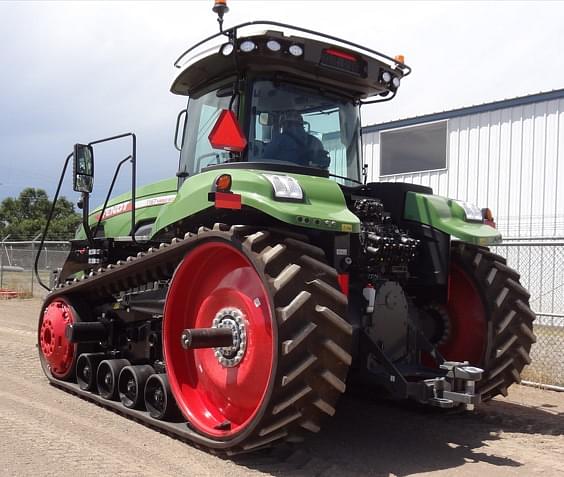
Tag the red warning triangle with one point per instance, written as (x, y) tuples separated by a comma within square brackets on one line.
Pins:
[(226, 133)]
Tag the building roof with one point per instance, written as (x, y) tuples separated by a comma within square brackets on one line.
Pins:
[(467, 110)]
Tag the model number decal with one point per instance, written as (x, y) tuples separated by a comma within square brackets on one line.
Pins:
[(139, 204)]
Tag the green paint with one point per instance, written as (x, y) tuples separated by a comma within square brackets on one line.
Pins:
[(447, 216), (324, 200)]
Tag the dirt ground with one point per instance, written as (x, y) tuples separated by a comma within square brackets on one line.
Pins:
[(45, 431)]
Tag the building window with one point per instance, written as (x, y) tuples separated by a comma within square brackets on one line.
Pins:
[(413, 149)]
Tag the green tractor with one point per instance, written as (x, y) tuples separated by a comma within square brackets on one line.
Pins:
[(234, 304)]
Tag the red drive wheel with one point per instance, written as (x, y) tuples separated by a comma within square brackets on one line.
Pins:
[(57, 354), (468, 325), (220, 390), (490, 320)]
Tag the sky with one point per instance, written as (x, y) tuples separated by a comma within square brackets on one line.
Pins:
[(78, 71)]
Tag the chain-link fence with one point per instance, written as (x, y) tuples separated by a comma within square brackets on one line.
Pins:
[(17, 263), (540, 263)]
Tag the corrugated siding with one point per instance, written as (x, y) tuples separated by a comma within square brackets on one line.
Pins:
[(510, 160)]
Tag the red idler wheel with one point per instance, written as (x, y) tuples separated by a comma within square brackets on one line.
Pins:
[(57, 353), (468, 321), (220, 391)]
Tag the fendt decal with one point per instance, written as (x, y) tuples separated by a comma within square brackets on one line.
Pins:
[(139, 204)]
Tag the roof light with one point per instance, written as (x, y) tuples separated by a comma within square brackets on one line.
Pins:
[(227, 49), (399, 58), (247, 46), (396, 82), (341, 54), (285, 187), (386, 76), (296, 50), (226, 133), (273, 45)]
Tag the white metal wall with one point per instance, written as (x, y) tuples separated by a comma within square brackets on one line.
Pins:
[(511, 160)]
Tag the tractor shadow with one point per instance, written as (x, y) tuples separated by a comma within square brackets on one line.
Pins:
[(379, 437)]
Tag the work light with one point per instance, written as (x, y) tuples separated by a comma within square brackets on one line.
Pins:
[(273, 45), (227, 49), (247, 46), (296, 50)]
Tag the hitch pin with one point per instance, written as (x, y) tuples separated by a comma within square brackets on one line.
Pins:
[(470, 390)]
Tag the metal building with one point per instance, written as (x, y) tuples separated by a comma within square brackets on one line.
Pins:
[(507, 155)]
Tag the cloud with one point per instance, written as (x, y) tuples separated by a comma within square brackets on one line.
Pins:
[(74, 72)]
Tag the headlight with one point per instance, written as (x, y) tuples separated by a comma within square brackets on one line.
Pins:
[(473, 212), (396, 82), (386, 77), (285, 187)]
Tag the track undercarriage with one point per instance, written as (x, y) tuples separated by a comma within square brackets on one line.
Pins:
[(117, 323)]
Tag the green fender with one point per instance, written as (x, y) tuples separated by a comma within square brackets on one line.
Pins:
[(324, 206), (448, 216)]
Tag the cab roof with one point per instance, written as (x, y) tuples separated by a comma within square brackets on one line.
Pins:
[(276, 48)]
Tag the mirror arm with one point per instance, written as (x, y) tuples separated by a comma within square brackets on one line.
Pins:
[(46, 229), (133, 172), (109, 194), (85, 210)]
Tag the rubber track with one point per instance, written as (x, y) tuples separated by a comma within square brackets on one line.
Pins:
[(315, 341), (510, 319)]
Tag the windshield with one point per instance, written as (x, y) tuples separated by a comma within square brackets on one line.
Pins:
[(289, 124), (298, 125)]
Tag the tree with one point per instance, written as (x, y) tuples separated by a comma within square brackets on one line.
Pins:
[(26, 216)]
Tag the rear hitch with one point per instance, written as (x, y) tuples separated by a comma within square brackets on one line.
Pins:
[(458, 386)]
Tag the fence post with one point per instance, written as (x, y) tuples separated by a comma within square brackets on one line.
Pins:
[(32, 250), (33, 261), (2, 250)]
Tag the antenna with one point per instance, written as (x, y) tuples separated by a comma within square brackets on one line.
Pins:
[(220, 7)]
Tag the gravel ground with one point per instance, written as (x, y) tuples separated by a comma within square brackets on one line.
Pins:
[(46, 431)]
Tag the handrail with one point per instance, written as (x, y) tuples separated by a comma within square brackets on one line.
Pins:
[(232, 33)]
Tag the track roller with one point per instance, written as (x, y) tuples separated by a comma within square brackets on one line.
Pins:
[(131, 385), (107, 377), (158, 398), (86, 367)]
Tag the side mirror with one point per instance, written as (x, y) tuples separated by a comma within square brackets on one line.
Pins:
[(83, 168)]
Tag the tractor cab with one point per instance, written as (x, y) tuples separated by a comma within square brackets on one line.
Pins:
[(276, 96)]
